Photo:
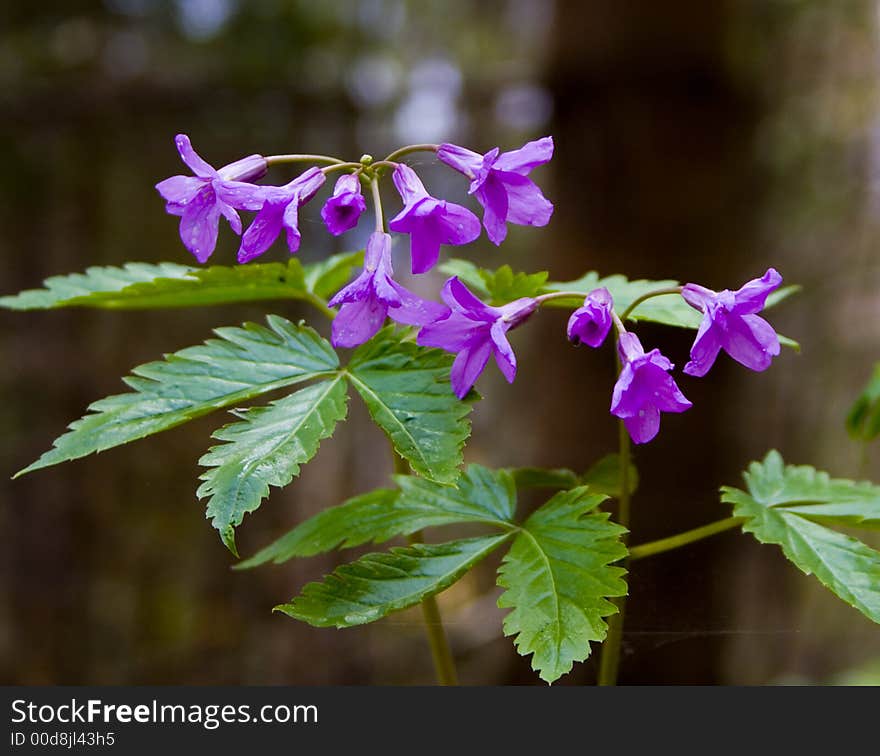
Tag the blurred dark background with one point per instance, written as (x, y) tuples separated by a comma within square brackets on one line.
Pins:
[(698, 140)]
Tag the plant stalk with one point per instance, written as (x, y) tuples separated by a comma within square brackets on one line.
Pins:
[(609, 662), (683, 539), (441, 653)]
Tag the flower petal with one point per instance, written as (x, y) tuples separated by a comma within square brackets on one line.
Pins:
[(409, 185), (191, 158), (180, 189), (231, 216), (459, 297), (459, 225), (424, 247), (504, 356), (644, 426), (705, 350), (357, 322), (262, 232), (751, 341), (698, 297), (249, 168), (241, 195), (290, 221), (752, 297), (526, 157), (462, 159), (493, 197), (526, 205), (356, 291), (199, 222), (470, 362), (451, 333), (413, 310)]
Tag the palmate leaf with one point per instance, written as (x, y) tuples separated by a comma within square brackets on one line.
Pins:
[(481, 496), (559, 576), (377, 584), (139, 286), (266, 449), (790, 506), (497, 286), (406, 389), (863, 420), (241, 364)]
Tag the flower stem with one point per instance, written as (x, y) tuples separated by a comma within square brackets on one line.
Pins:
[(651, 294), (377, 204), (320, 304), (399, 153), (444, 663), (683, 539), (342, 167), (578, 297), (275, 159), (610, 659)]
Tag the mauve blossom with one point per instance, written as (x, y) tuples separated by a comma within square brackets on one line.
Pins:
[(342, 211), (475, 331), (644, 389), (375, 295), (590, 324), (429, 221), (279, 210), (201, 199), (501, 184), (730, 323)]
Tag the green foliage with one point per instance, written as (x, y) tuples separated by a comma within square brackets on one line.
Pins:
[(863, 420), (481, 496), (377, 584), (266, 449), (139, 286), (540, 477), (790, 506), (497, 286), (558, 577), (604, 477), (241, 364), (406, 389)]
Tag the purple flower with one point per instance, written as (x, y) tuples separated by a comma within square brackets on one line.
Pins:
[(429, 221), (374, 295), (476, 331), (644, 389), (590, 324), (342, 211), (201, 199), (730, 323), (499, 180), (279, 208)]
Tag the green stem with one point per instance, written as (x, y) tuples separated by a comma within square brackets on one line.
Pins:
[(342, 167), (444, 663), (576, 296), (320, 304), (399, 153), (276, 159), (656, 293), (683, 539), (610, 660)]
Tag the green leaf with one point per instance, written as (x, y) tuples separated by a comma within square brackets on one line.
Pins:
[(863, 420), (139, 286), (241, 364), (327, 277), (377, 584), (604, 476), (790, 505), (496, 286), (539, 477), (267, 449), (406, 389), (559, 577), (481, 495)]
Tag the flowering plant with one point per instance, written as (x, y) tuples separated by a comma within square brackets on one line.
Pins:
[(415, 364)]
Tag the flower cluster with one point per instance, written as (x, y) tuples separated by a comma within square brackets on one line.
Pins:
[(463, 324)]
